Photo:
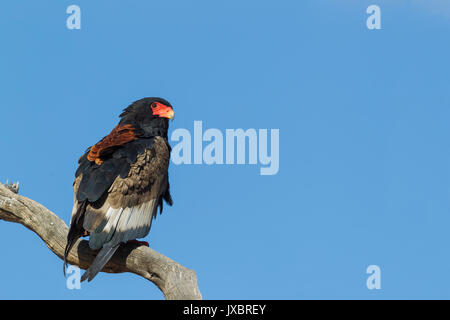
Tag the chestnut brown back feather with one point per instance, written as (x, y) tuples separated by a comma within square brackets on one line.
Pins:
[(117, 137)]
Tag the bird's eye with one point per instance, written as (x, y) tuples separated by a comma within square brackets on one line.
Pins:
[(153, 105)]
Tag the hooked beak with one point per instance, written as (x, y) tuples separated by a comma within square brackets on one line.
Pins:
[(170, 114), (163, 111)]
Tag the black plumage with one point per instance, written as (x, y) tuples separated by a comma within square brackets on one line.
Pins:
[(121, 181), (98, 178)]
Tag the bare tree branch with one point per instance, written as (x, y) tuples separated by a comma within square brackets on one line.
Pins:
[(175, 281)]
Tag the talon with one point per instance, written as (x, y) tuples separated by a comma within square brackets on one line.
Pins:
[(139, 243)]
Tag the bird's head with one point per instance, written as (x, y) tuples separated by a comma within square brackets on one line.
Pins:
[(149, 115)]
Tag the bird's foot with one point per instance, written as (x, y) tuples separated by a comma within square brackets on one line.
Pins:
[(139, 243)]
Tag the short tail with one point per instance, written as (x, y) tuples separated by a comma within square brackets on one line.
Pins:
[(70, 242), (75, 231), (99, 262)]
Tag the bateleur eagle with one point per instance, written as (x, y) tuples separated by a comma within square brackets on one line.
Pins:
[(121, 181)]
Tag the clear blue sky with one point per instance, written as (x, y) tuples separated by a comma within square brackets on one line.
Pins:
[(364, 140)]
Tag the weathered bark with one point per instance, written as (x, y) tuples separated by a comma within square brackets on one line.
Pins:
[(175, 281)]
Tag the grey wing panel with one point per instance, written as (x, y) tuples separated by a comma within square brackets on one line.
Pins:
[(124, 224)]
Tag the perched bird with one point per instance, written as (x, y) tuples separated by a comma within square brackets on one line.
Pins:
[(121, 181)]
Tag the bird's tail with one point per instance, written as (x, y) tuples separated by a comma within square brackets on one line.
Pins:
[(70, 242), (75, 231), (99, 262)]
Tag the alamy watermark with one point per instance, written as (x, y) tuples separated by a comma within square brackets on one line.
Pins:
[(74, 20), (73, 281), (229, 148), (373, 22), (374, 280)]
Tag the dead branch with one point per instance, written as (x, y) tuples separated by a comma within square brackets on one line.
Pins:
[(175, 281)]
